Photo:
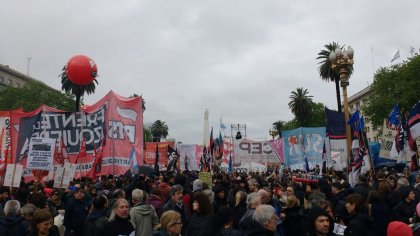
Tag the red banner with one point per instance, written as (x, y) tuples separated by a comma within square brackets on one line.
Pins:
[(114, 124), (150, 153)]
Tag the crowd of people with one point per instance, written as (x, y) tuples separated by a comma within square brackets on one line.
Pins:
[(283, 204)]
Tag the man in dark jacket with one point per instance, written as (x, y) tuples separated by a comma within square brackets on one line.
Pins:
[(96, 220), (12, 223), (404, 211), (176, 203), (76, 212), (119, 223), (265, 221), (320, 223)]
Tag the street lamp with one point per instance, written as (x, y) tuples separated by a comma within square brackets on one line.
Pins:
[(273, 133), (343, 61)]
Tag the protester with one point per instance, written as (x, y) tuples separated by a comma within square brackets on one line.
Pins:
[(201, 223), (264, 221), (240, 208), (42, 224), (119, 221), (176, 203), (170, 224), (12, 223), (97, 218), (291, 222), (320, 223), (75, 215), (253, 200), (28, 211), (404, 211), (4, 197), (224, 220), (143, 216), (359, 222)]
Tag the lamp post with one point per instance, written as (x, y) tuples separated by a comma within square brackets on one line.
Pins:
[(343, 61), (273, 133)]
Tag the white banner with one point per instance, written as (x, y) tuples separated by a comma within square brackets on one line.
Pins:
[(41, 154), (388, 137), (338, 153), (13, 174), (247, 151)]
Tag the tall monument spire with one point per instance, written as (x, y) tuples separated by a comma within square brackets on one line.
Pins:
[(206, 137)]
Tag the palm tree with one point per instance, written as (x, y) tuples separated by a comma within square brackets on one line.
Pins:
[(76, 90), (301, 104), (278, 126), (159, 130), (327, 73)]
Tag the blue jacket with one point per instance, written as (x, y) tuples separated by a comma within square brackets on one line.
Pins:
[(75, 215), (13, 225)]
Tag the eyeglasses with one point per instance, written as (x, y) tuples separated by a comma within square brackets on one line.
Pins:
[(177, 223)]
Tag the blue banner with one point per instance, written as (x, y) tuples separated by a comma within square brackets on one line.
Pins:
[(303, 145)]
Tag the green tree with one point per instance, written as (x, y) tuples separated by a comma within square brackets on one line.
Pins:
[(398, 84), (32, 95), (278, 126), (147, 135), (76, 90), (317, 117), (300, 104), (327, 73), (159, 130)]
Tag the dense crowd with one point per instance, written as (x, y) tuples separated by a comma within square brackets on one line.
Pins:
[(286, 204)]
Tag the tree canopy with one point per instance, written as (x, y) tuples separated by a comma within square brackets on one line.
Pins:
[(300, 104), (32, 95), (398, 84), (159, 130)]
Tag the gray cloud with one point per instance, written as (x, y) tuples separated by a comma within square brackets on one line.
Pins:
[(240, 59)]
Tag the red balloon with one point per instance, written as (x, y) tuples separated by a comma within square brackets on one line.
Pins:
[(81, 70)]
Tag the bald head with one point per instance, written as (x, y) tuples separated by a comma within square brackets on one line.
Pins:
[(265, 196)]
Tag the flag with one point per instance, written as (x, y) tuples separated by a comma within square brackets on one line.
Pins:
[(361, 124), (336, 124), (393, 116), (157, 160), (230, 162), (414, 161), (98, 159), (222, 126), (211, 145), (401, 137), (396, 56), (414, 122), (134, 166), (306, 165), (186, 162), (203, 159), (61, 155), (221, 145), (172, 160), (354, 118), (82, 150)]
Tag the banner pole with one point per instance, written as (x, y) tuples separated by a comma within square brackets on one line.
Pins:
[(13, 178)]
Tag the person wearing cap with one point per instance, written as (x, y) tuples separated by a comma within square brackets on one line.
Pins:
[(404, 211), (176, 203), (396, 228), (197, 186), (320, 223)]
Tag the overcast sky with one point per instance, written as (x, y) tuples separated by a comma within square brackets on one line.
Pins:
[(240, 59)]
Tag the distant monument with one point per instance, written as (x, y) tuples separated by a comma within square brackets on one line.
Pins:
[(206, 131)]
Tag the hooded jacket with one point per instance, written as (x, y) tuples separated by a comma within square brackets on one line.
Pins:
[(359, 224), (95, 222), (144, 218), (13, 225), (314, 213)]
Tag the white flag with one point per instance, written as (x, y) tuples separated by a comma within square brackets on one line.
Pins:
[(396, 56)]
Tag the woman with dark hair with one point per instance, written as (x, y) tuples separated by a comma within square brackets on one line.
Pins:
[(379, 211), (42, 224), (224, 222), (201, 223), (359, 222)]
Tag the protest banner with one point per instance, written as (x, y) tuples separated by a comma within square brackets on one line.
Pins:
[(247, 151), (389, 132), (41, 154), (205, 177), (13, 175)]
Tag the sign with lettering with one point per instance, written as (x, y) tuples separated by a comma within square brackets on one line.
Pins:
[(41, 154)]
